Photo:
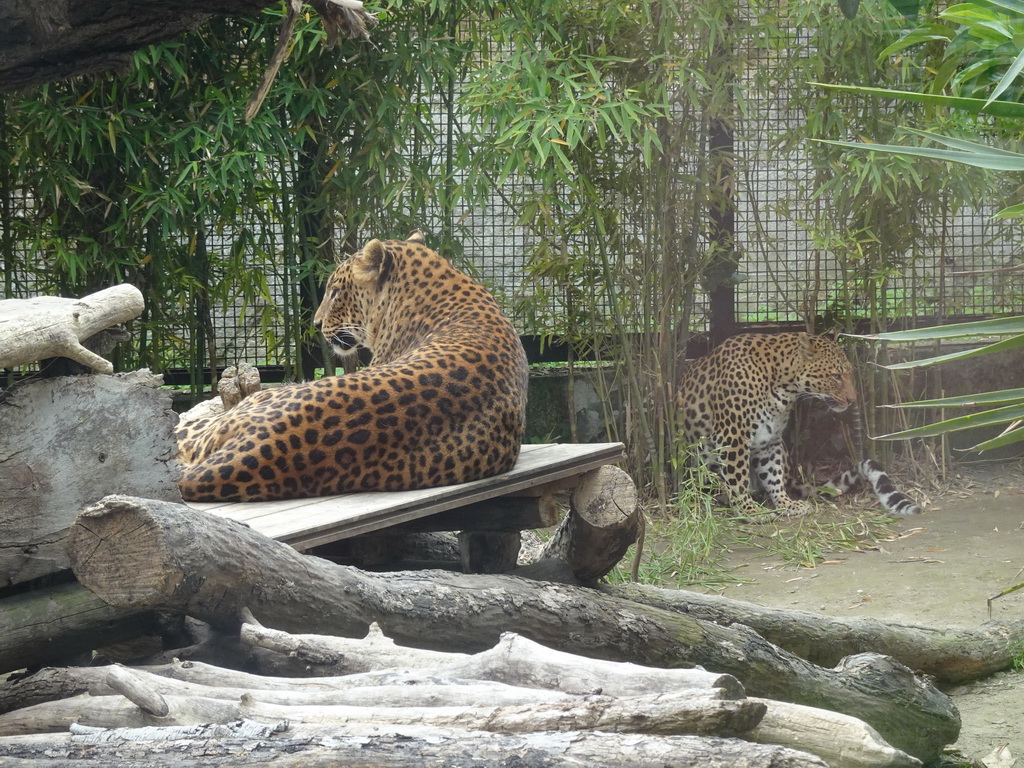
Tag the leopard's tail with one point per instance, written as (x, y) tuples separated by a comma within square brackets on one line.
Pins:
[(895, 502)]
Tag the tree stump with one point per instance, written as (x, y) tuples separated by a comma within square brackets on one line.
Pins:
[(68, 442)]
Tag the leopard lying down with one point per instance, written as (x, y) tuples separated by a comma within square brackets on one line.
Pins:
[(443, 400), (734, 405)]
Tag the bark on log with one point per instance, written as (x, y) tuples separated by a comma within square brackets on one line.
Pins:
[(604, 519), (840, 740), (53, 625), (515, 660), (949, 655), (140, 554), (50, 326), (356, 746), (67, 442), (53, 41), (701, 712)]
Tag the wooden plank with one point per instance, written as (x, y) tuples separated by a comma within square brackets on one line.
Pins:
[(305, 523)]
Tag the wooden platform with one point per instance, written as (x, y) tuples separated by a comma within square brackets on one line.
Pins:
[(305, 523)]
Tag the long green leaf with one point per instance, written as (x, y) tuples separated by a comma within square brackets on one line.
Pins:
[(1006, 396), (967, 104), (995, 326), (1013, 7), (1014, 342), (1007, 79), (1008, 437), (993, 161), (968, 146), (994, 416)]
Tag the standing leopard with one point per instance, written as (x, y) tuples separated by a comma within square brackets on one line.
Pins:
[(442, 401), (734, 405)]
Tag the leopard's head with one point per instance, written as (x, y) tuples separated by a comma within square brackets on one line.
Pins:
[(350, 316), (826, 371)]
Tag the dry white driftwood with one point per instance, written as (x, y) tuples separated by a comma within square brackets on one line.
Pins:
[(515, 660), (356, 745), (49, 326), (710, 711), (840, 740)]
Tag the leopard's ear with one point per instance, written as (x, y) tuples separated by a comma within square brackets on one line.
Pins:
[(416, 236), (805, 343), (372, 266)]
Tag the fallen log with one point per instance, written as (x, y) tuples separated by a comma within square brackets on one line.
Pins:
[(56, 624), (702, 712), (948, 654), (356, 746), (139, 553), (50, 326), (515, 660)]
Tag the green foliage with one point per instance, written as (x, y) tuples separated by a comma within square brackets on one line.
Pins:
[(982, 52), (1011, 401), (157, 179)]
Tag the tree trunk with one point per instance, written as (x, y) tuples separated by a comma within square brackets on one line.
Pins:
[(137, 553), (68, 442), (355, 746), (604, 519), (685, 712), (949, 655), (53, 625)]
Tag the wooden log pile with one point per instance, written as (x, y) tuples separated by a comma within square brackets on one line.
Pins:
[(552, 708), (143, 555)]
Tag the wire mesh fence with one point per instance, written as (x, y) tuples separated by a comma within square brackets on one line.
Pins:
[(962, 267)]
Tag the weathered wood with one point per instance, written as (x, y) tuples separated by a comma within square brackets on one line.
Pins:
[(950, 655), (515, 660), (68, 442), (840, 740), (139, 553), (394, 550), (53, 41), (55, 624), (488, 551), (305, 523), (604, 520), (357, 746), (703, 712), (504, 513), (50, 326), (386, 689)]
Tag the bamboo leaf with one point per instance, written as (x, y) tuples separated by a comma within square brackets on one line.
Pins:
[(995, 326), (967, 104), (984, 398), (1008, 437), (994, 161), (1015, 342), (1008, 78), (994, 416)]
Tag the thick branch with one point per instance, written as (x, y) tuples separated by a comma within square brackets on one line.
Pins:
[(53, 41), (949, 655), (49, 326)]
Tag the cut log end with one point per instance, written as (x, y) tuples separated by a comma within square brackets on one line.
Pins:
[(109, 537)]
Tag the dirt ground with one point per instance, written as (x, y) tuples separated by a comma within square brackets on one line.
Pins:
[(937, 569)]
